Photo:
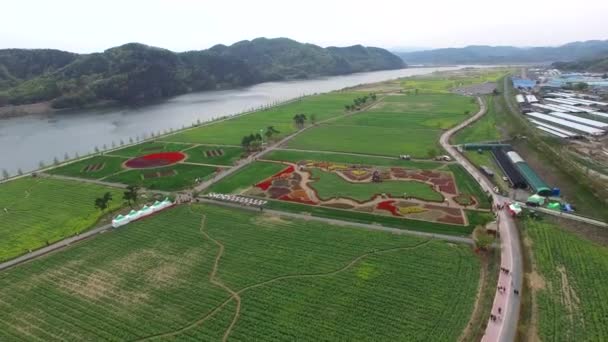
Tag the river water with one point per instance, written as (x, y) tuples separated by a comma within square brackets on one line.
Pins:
[(25, 141)]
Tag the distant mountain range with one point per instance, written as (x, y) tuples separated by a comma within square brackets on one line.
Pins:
[(136, 72), (584, 65), (479, 54)]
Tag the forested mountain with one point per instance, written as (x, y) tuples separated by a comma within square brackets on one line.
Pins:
[(508, 54), (136, 72), (588, 65)]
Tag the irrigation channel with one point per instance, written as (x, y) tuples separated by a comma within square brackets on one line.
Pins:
[(25, 141)]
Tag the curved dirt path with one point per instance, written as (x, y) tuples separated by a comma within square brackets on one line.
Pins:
[(505, 326), (235, 295)]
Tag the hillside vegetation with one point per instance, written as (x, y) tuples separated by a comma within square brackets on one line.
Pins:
[(136, 72), (508, 54), (589, 65)]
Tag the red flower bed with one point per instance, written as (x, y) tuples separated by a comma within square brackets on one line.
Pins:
[(155, 160), (448, 188), (388, 206), (297, 200), (265, 184)]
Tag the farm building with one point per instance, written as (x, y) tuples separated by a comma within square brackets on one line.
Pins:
[(515, 178), (565, 123), (532, 179), (543, 126), (531, 99), (588, 122), (521, 83)]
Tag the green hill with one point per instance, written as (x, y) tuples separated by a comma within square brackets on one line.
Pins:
[(589, 65), (136, 72), (507, 54)]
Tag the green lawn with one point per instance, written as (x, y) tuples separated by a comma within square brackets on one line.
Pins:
[(111, 165), (484, 129), (397, 125), (246, 177), (148, 148), (184, 177), (329, 185), (467, 185), (572, 296), (442, 83), (297, 156), (298, 280), (230, 155), (231, 132), (37, 211)]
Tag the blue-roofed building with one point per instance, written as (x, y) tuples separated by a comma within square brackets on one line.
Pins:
[(521, 83)]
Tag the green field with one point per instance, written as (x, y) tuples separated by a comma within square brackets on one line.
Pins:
[(467, 185), (397, 125), (297, 156), (37, 211), (484, 129), (197, 154), (231, 132), (298, 280), (571, 290), (486, 159), (246, 177), (445, 82), (329, 185), (111, 165), (148, 148), (184, 177)]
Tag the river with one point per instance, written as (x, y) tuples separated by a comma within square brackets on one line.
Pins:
[(25, 141)]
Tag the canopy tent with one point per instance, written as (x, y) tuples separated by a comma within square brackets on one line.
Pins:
[(554, 206), (536, 200), (514, 209)]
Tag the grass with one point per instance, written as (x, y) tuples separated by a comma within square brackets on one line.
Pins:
[(230, 132), (444, 83), (76, 169), (467, 185), (141, 280), (246, 177), (571, 290), (484, 129), (397, 125), (476, 218), (329, 185), (184, 177), (297, 156), (148, 148), (197, 155), (37, 211)]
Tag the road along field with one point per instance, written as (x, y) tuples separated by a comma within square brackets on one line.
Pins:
[(397, 124), (568, 284), (206, 272), (37, 211)]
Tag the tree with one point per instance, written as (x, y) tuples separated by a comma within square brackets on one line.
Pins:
[(5, 174), (55, 161), (103, 202), (347, 107), (131, 194), (66, 156), (416, 91), (299, 120), (495, 92), (431, 152), (483, 240), (313, 119), (270, 131), (41, 164), (581, 86), (19, 171), (373, 96), (96, 149)]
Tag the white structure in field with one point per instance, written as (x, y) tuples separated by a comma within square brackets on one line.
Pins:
[(133, 215)]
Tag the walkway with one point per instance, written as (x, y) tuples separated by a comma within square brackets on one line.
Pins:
[(55, 246), (507, 302)]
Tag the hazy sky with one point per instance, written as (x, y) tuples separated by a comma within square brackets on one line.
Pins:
[(86, 25)]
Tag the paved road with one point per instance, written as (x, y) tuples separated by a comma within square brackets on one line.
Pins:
[(53, 247), (505, 327), (455, 239), (354, 154)]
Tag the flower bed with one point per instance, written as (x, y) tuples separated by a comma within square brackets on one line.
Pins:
[(155, 160), (265, 184), (388, 206)]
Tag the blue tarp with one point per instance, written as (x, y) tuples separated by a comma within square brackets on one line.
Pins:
[(521, 83)]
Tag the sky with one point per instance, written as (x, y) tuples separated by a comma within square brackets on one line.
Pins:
[(180, 25)]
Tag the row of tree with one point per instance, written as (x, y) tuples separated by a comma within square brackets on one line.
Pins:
[(253, 142), (360, 101)]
